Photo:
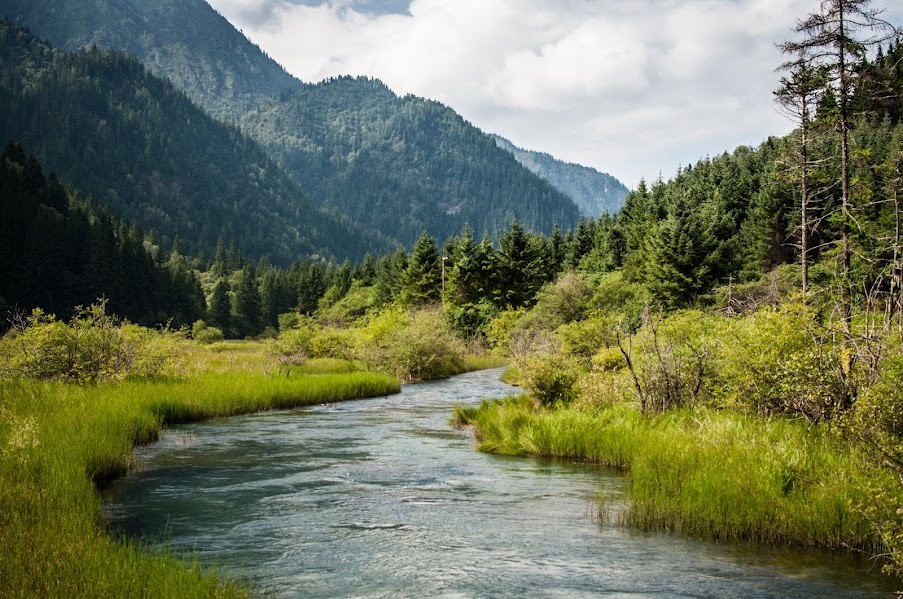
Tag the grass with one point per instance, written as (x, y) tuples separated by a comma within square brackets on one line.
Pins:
[(57, 439), (717, 475)]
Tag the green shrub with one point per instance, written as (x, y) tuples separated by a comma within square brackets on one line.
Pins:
[(329, 342), (586, 337), (549, 378), (205, 335), (782, 361), (93, 346), (293, 346), (413, 346)]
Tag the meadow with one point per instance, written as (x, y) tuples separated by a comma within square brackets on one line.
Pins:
[(58, 439)]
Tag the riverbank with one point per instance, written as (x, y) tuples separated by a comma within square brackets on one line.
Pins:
[(718, 475), (59, 439)]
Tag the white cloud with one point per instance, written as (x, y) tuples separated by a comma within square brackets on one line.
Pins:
[(631, 88)]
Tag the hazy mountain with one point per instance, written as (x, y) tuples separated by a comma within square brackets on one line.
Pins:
[(185, 41), (593, 192), (402, 165), (140, 146)]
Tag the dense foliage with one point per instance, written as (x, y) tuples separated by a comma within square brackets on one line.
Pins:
[(57, 252), (401, 165), (594, 193), (140, 147)]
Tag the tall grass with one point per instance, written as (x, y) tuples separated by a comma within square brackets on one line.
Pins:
[(711, 474), (57, 439)]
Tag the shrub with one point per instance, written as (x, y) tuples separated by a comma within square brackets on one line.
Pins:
[(93, 346), (413, 346), (586, 337), (328, 342), (549, 378), (205, 335), (293, 346), (781, 361)]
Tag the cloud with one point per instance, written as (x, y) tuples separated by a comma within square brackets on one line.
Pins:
[(632, 88)]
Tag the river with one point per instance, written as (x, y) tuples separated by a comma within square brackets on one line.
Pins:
[(382, 498)]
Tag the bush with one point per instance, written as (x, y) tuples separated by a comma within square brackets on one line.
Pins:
[(564, 300), (586, 337), (329, 342), (293, 346), (94, 346), (205, 335), (668, 360), (413, 346), (781, 361), (549, 378)]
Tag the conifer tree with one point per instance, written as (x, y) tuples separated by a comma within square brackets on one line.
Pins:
[(246, 306), (423, 276), (220, 309), (828, 37)]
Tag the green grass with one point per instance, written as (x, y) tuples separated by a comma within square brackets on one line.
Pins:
[(717, 475), (57, 439)]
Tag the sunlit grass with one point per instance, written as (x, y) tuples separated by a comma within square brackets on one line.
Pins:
[(56, 439), (711, 474)]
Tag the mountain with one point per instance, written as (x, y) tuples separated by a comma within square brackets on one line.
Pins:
[(401, 165), (140, 146), (185, 41), (594, 192), (397, 165)]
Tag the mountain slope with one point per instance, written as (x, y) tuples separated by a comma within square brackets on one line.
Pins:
[(138, 145), (401, 165), (185, 41), (594, 192)]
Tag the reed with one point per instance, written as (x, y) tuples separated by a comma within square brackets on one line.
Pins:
[(718, 475), (57, 439)]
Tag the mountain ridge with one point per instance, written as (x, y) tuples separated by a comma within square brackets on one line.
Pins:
[(594, 192), (140, 146)]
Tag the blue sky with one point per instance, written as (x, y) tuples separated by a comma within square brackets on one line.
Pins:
[(634, 88)]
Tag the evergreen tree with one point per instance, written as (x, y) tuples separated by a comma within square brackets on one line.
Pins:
[(220, 309), (519, 268), (246, 307), (423, 276)]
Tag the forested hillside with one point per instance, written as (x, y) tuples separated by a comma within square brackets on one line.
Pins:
[(396, 165), (138, 145), (57, 252), (402, 165), (185, 41), (594, 193)]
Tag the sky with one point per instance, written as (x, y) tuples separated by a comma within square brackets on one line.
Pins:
[(634, 88)]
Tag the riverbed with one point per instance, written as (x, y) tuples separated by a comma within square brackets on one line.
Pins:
[(383, 498)]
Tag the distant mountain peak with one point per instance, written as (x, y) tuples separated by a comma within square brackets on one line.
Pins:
[(593, 191)]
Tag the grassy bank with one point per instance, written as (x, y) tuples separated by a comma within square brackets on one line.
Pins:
[(56, 439), (710, 474)]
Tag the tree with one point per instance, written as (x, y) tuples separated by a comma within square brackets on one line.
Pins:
[(247, 303), (518, 268), (423, 277), (828, 37), (220, 308), (797, 96)]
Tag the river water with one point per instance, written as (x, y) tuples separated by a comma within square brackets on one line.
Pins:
[(382, 498)]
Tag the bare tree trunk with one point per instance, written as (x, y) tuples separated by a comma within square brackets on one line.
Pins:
[(845, 299)]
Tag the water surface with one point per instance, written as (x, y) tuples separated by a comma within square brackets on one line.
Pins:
[(382, 498)]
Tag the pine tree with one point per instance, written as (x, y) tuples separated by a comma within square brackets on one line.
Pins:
[(246, 308), (220, 309), (423, 276)]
